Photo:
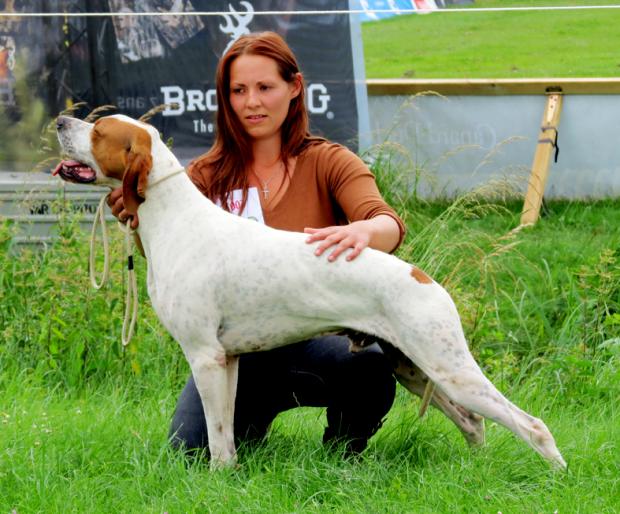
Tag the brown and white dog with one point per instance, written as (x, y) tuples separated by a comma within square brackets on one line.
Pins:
[(223, 285)]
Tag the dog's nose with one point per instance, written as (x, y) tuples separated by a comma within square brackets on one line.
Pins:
[(61, 122)]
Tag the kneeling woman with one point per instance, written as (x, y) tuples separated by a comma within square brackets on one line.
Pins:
[(265, 164)]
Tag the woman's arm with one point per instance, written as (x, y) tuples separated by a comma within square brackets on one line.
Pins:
[(353, 188)]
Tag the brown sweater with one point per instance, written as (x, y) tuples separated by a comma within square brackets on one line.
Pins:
[(330, 186)]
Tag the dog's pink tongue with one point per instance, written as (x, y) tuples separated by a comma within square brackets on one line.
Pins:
[(75, 171)]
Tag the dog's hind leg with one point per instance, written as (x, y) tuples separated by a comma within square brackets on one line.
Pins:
[(415, 380), (435, 341), (216, 378), (446, 359), (469, 387), (469, 423)]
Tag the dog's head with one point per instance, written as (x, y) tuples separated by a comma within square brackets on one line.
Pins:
[(112, 151)]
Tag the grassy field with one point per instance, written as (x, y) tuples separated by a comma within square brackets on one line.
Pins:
[(496, 45)]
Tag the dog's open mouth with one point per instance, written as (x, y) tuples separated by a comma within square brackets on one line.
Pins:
[(75, 171)]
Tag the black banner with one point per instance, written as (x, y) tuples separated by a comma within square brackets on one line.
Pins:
[(139, 62)]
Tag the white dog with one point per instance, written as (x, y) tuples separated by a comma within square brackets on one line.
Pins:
[(223, 285)]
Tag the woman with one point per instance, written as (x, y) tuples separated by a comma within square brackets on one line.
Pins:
[(264, 164)]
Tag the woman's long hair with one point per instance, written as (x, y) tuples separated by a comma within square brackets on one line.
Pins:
[(228, 160)]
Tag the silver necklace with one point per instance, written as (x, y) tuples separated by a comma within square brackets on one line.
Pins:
[(265, 183)]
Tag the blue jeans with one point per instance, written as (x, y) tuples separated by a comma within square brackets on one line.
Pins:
[(357, 389)]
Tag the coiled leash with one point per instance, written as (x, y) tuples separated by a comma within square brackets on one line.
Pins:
[(99, 217), (131, 297)]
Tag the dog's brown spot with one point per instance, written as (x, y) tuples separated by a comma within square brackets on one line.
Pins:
[(420, 276), (115, 142), (123, 151)]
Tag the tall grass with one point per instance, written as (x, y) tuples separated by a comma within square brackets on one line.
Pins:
[(56, 330)]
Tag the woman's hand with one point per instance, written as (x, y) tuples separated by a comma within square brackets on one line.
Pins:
[(115, 201), (381, 233), (354, 236)]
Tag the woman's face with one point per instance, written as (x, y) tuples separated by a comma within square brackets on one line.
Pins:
[(259, 96)]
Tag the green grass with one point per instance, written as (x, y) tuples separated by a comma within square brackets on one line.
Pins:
[(496, 45), (84, 425), (106, 452)]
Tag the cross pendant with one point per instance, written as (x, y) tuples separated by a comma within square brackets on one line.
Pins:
[(265, 192)]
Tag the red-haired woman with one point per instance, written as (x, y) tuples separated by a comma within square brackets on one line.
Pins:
[(265, 164)]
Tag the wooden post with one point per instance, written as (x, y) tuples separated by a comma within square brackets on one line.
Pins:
[(547, 144)]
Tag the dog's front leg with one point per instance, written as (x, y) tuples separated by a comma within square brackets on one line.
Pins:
[(216, 380), (232, 374)]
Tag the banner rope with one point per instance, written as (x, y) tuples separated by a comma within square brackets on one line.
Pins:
[(308, 13)]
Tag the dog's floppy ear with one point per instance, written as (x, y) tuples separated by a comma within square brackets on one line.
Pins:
[(137, 167)]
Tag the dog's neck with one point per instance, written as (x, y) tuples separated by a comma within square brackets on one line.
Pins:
[(170, 196), (164, 163)]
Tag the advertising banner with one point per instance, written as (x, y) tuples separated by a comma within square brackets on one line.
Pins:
[(138, 61)]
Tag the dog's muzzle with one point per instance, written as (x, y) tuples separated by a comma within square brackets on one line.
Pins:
[(71, 170)]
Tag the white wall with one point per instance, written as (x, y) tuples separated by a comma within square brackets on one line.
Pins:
[(463, 141)]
